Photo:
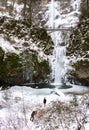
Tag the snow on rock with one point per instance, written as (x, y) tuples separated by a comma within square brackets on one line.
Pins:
[(18, 10), (6, 46)]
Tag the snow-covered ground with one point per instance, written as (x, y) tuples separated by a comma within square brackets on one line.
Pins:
[(17, 104)]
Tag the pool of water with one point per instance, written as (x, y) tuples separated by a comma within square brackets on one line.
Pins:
[(47, 89), (43, 88)]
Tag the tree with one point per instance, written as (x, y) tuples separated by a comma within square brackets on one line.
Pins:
[(30, 10), (87, 4), (24, 10), (4, 3)]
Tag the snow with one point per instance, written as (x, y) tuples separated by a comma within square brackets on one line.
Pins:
[(6, 46), (18, 102), (4, 14), (18, 10)]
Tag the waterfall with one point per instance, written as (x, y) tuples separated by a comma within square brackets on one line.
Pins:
[(61, 17)]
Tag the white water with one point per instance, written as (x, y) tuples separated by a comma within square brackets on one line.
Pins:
[(63, 17)]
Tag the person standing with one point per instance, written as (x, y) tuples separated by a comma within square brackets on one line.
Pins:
[(44, 101)]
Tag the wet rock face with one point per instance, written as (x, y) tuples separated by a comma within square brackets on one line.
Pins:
[(79, 48)]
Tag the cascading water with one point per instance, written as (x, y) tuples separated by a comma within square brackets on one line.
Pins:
[(61, 15)]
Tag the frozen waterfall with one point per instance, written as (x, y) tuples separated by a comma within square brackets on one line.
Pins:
[(61, 17)]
